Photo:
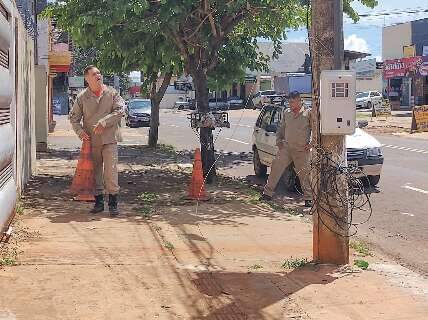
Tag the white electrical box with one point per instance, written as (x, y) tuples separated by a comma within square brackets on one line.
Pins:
[(337, 102)]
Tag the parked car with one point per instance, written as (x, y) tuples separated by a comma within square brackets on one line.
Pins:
[(368, 99), (363, 150), (262, 97), (218, 104), (235, 102), (182, 103), (138, 113)]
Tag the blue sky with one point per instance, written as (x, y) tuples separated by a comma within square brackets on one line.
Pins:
[(366, 35)]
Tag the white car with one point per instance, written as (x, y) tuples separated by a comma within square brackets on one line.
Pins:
[(368, 99), (262, 97), (363, 150)]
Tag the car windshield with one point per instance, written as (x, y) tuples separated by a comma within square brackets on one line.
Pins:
[(140, 105), (362, 95), (268, 92)]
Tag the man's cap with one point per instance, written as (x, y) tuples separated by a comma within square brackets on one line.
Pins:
[(294, 94)]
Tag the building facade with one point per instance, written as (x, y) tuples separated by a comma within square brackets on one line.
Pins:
[(405, 56), (17, 107)]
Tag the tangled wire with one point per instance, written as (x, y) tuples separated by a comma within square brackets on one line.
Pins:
[(338, 192)]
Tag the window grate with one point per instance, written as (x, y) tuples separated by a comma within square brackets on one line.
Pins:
[(4, 12), (4, 116), (4, 59), (5, 175)]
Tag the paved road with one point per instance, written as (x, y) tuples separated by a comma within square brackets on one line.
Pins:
[(400, 220)]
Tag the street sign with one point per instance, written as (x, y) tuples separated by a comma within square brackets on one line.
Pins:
[(76, 82), (409, 51)]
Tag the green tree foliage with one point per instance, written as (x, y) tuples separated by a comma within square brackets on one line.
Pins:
[(215, 40)]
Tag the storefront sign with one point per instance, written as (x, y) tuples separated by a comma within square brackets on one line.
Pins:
[(405, 67), (420, 119), (384, 109)]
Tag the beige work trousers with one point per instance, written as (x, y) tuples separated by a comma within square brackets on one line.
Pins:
[(285, 156), (105, 160)]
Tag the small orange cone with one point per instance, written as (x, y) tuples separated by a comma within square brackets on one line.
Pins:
[(84, 179), (197, 186)]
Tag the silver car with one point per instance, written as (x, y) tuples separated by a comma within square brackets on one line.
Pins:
[(363, 150), (368, 99)]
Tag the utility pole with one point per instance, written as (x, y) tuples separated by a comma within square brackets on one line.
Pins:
[(330, 241)]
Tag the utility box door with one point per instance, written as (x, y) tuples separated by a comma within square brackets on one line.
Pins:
[(337, 102)]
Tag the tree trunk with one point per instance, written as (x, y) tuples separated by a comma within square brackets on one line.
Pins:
[(206, 134), (154, 124), (326, 41), (156, 97)]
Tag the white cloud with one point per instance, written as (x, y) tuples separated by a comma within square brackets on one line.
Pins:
[(297, 39), (355, 43)]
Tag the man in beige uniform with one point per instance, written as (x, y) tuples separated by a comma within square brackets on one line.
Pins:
[(293, 139), (101, 108)]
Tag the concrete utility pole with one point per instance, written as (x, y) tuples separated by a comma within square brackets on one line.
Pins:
[(326, 40)]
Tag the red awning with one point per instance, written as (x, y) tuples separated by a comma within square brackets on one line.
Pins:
[(59, 68)]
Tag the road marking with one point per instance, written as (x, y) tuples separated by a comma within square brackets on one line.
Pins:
[(407, 214), (415, 189), (234, 140), (241, 125), (174, 126), (390, 146)]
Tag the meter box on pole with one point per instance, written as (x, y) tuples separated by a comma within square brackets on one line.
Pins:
[(337, 102)]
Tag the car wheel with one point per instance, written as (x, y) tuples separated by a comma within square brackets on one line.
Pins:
[(373, 180), (259, 169)]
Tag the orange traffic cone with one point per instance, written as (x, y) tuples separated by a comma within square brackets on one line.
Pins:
[(197, 186), (84, 180)]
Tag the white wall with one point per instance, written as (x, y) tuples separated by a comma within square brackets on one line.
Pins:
[(373, 84), (8, 193), (393, 40), (43, 41), (171, 96)]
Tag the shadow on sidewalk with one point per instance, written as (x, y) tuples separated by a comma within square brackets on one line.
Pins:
[(245, 295), (144, 170), (229, 295)]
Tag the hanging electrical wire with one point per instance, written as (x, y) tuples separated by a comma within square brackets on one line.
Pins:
[(338, 192)]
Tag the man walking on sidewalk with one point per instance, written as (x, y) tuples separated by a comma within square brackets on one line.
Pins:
[(101, 109), (293, 139)]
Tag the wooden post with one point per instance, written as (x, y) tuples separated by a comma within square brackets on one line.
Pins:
[(326, 41)]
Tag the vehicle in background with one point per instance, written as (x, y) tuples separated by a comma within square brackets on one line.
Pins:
[(287, 83), (235, 102), (182, 103), (262, 97), (363, 150), (217, 104), (192, 104), (138, 113), (368, 99)]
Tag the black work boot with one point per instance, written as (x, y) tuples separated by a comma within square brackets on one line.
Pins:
[(112, 204), (99, 204)]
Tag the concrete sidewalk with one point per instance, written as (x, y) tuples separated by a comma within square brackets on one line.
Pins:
[(166, 258)]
